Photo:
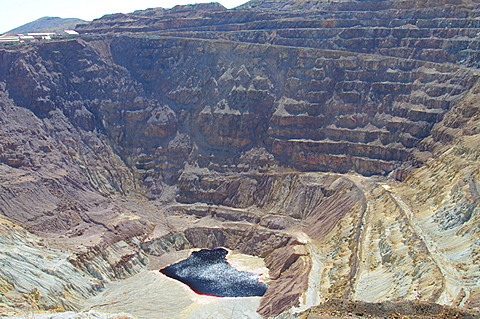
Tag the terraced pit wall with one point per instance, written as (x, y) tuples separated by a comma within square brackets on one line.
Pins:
[(213, 125)]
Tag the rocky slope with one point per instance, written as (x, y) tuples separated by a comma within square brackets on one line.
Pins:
[(337, 141)]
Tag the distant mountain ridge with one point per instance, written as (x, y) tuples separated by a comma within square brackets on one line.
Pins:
[(48, 24)]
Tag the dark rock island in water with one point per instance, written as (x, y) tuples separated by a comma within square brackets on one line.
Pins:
[(207, 272)]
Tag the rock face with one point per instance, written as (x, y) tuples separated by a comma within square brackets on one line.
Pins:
[(339, 141)]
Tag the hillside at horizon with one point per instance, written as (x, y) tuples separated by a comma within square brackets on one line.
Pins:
[(48, 24)]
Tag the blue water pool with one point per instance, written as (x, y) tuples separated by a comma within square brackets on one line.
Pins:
[(207, 272)]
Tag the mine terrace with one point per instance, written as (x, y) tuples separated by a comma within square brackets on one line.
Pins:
[(330, 148)]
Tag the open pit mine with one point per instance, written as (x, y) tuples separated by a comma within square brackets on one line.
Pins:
[(332, 148)]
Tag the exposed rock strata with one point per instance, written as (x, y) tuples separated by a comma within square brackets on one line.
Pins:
[(214, 128), (220, 111), (34, 277)]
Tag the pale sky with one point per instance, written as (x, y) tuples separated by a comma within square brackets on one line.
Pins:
[(14, 13)]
